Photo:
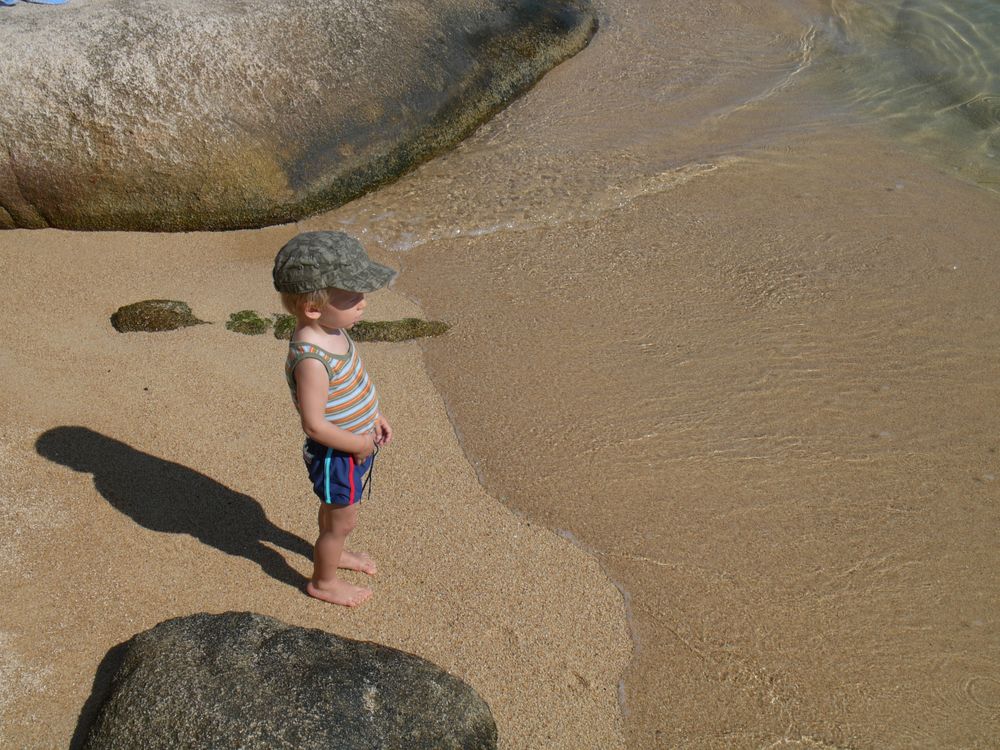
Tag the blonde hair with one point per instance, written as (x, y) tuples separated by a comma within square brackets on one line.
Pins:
[(295, 301)]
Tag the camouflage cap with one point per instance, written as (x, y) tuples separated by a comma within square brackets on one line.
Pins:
[(320, 260)]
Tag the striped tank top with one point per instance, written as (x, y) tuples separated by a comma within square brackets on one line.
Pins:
[(351, 401)]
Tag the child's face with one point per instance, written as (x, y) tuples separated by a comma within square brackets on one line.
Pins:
[(342, 310)]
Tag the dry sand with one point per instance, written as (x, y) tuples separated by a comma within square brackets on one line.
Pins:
[(147, 476)]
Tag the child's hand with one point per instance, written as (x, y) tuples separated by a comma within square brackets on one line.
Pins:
[(361, 456), (383, 431)]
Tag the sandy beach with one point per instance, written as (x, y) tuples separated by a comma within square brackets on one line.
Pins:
[(708, 459), (148, 476)]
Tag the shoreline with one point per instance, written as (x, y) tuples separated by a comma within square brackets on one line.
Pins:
[(759, 404), (769, 473)]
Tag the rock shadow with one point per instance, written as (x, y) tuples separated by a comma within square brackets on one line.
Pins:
[(164, 496), (106, 671)]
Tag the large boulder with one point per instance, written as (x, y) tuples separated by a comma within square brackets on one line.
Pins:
[(221, 114), (241, 680)]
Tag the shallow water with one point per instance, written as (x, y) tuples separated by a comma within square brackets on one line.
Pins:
[(640, 127), (677, 103), (718, 258), (929, 70)]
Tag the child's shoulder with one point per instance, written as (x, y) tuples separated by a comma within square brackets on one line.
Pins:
[(337, 343)]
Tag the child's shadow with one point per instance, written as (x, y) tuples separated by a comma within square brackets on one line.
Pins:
[(164, 496)]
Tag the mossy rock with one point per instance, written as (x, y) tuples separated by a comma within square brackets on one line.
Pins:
[(248, 322), (283, 326), (374, 330), (397, 330), (154, 315)]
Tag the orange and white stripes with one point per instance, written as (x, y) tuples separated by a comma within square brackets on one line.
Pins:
[(351, 401)]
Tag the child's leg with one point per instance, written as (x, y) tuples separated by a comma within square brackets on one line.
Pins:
[(359, 561), (350, 560), (335, 523)]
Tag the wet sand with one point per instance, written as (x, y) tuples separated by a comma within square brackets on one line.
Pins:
[(149, 476), (776, 429)]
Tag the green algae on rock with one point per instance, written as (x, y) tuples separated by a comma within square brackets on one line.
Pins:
[(154, 315), (403, 329), (248, 322), (185, 129), (283, 326), (397, 330)]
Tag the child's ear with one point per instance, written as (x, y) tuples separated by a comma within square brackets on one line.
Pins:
[(311, 311)]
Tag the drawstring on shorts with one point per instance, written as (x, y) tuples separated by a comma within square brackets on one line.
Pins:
[(368, 477)]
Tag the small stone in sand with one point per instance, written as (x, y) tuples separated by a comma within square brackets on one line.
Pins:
[(283, 326)]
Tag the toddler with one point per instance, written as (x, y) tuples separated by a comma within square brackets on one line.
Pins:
[(323, 278)]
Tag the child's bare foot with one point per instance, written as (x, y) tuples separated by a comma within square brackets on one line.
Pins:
[(338, 592), (359, 561)]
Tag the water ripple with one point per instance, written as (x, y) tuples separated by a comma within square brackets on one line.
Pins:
[(929, 69)]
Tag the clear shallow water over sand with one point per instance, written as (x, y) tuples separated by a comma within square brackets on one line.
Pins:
[(684, 90), (928, 70), (723, 297)]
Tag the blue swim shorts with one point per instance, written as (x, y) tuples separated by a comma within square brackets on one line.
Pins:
[(335, 478)]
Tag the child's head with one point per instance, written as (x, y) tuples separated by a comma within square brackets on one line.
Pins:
[(313, 265)]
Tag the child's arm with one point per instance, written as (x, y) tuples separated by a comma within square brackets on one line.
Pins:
[(311, 384)]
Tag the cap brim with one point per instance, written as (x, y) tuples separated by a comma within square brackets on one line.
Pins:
[(377, 277)]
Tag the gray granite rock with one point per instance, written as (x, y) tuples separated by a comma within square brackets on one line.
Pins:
[(220, 114), (242, 680)]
